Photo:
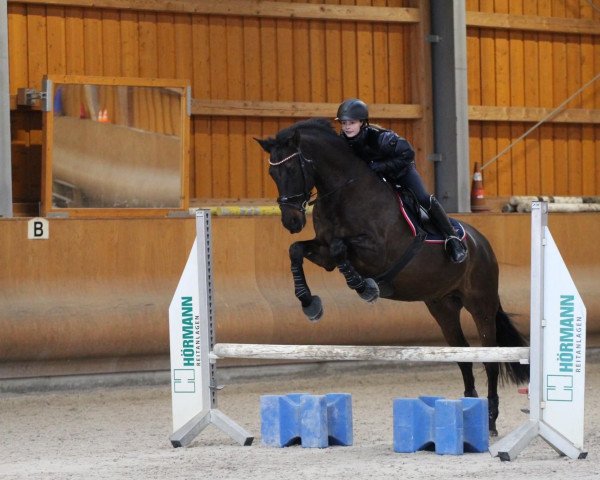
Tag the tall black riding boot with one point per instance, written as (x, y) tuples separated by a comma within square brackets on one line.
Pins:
[(453, 245)]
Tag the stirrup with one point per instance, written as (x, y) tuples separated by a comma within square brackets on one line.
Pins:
[(458, 253)]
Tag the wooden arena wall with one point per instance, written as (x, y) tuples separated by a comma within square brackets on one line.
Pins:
[(255, 67), (94, 297), (524, 59)]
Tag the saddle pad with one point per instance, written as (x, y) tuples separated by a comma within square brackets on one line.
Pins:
[(432, 237)]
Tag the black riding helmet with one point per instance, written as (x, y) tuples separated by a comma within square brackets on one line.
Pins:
[(353, 109)]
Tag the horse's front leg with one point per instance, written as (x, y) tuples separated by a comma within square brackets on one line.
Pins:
[(318, 254), (366, 288)]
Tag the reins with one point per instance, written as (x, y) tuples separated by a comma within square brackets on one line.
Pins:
[(306, 195), (325, 195)]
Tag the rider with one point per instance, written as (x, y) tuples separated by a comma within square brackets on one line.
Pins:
[(392, 157)]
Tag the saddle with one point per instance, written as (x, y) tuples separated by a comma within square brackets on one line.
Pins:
[(423, 230), (418, 219)]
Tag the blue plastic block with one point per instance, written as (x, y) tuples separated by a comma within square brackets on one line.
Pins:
[(315, 421), (450, 426), (413, 426), (339, 419), (448, 421), (280, 421), (430, 400), (476, 424)]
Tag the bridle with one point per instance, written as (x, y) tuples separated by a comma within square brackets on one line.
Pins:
[(305, 196)]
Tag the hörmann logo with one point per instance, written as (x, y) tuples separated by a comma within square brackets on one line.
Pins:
[(187, 332), (571, 330), (567, 330), (570, 352)]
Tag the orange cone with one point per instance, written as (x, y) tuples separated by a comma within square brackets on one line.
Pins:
[(477, 194)]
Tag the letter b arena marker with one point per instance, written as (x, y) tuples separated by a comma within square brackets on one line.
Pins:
[(38, 229)]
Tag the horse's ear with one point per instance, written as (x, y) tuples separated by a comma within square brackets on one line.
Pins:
[(266, 144)]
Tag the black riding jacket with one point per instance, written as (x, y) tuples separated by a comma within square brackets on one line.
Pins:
[(385, 151)]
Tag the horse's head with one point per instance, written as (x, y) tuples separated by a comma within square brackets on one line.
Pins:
[(292, 173)]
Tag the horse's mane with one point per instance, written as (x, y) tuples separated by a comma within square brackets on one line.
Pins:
[(320, 125), (323, 137)]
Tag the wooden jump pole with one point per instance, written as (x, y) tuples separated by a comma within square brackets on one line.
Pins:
[(381, 353)]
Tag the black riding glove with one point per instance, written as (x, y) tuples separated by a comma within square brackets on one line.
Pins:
[(391, 168)]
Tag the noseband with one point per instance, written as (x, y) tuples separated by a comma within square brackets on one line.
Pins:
[(304, 197)]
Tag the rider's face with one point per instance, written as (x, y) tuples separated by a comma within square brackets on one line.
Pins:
[(351, 127)]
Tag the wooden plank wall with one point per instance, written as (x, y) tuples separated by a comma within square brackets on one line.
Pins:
[(256, 67), (526, 66), (226, 57)]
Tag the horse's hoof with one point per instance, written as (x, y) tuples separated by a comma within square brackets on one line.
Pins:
[(371, 291), (314, 311)]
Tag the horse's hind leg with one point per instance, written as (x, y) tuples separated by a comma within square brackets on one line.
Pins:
[(446, 312), (366, 288), (483, 312)]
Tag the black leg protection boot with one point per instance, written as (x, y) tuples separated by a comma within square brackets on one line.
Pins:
[(456, 249)]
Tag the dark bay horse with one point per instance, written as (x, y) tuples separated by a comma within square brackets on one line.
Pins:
[(361, 231)]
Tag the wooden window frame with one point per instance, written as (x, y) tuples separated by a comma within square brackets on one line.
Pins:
[(47, 208)]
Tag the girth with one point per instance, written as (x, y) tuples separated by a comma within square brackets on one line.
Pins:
[(385, 279)]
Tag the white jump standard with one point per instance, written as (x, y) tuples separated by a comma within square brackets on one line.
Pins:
[(556, 353), (192, 336)]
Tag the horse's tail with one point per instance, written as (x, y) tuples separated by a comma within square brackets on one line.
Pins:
[(508, 336)]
